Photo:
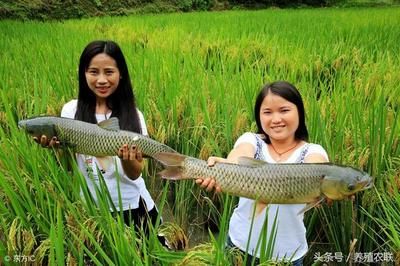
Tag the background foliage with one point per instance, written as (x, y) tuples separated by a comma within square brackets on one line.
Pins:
[(65, 9), (196, 83)]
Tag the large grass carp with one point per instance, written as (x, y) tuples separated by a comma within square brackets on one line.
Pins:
[(271, 183), (102, 139)]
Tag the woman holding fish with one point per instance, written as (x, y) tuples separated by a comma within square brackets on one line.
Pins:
[(105, 91), (281, 138)]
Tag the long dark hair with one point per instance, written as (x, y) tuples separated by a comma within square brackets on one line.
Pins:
[(121, 102), (290, 93)]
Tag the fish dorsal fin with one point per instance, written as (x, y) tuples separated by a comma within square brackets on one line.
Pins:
[(110, 124), (251, 161)]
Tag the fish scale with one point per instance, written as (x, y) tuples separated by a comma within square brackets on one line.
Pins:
[(92, 139), (271, 183)]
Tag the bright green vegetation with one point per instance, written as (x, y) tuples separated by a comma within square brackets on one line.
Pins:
[(70, 9), (196, 77)]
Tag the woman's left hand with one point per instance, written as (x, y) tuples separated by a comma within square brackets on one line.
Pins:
[(132, 160)]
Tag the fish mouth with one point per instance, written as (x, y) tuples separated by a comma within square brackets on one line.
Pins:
[(22, 124), (366, 184)]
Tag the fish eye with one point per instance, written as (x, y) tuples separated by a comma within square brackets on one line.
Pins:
[(351, 187)]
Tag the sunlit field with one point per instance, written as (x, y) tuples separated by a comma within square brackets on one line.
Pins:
[(196, 77)]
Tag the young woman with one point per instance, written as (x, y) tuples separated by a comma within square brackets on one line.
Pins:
[(281, 138), (105, 91)]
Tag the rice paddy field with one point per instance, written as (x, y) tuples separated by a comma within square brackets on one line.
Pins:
[(196, 77)]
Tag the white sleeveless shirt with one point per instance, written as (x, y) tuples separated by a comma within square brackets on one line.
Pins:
[(111, 167), (291, 242)]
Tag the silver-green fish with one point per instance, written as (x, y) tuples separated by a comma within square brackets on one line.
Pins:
[(271, 183), (103, 139)]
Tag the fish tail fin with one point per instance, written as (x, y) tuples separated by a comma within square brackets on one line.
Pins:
[(173, 163), (170, 158), (171, 173)]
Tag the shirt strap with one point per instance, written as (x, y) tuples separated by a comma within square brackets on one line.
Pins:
[(303, 153), (258, 155)]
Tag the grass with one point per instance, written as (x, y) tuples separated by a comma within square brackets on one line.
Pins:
[(196, 83)]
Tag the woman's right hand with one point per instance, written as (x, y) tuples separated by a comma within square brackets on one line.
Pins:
[(243, 149), (46, 142), (209, 183)]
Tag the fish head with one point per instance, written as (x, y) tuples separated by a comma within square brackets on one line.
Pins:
[(344, 182), (38, 126)]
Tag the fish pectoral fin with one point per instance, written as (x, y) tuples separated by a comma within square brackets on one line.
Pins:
[(110, 124), (311, 205), (251, 161)]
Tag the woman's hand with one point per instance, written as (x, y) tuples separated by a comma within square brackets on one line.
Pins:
[(243, 149), (132, 160), (47, 143), (209, 183)]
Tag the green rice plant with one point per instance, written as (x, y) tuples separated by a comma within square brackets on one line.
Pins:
[(388, 220), (196, 84), (44, 209)]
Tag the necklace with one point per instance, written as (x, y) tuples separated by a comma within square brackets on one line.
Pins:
[(284, 152)]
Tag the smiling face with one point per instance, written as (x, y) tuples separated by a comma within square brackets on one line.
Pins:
[(102, 76), (279, 118)]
